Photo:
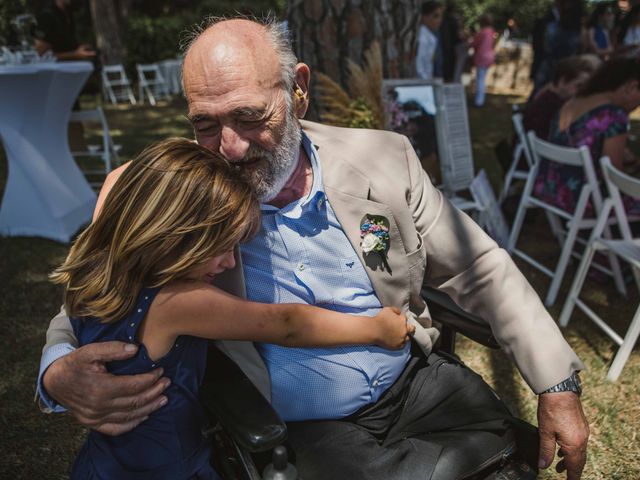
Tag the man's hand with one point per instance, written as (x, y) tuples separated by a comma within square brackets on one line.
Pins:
[(110, 404), (84, 52), (562, 421)]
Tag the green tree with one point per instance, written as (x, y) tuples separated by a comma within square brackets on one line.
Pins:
[(8, 10), (524, 13)]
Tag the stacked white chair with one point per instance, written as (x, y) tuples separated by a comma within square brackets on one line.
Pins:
[(115, 85), (454, 144), (107, 152), (626, 247), (151, 83), (576, 221), (171, 71)]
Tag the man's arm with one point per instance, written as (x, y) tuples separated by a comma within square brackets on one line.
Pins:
[(422, 57), (76, 378), (60, 342), (482, 278)]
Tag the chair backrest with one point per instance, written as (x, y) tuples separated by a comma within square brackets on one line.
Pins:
[(114, 72), (576, 157), (518, 126), (617, 182), (97, 116), (149, 73)]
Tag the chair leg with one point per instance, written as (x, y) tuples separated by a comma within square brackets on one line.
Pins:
[(636, 276), (576, 286), (618, 279), (615, 267), (522, 210), (556, 227), (508, 178), (625, 350), (517, 222), (561, 268)]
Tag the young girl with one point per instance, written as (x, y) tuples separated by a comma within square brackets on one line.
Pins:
[(483, 56), (142, 272)]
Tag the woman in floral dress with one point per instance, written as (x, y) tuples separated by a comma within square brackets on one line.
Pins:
[(598, 118)]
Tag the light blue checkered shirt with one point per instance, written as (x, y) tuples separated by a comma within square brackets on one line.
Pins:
[(302, 255)]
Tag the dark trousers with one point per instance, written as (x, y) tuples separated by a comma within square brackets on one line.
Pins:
[(438, 421)]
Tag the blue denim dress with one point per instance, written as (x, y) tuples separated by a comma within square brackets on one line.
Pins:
[(169, 444)]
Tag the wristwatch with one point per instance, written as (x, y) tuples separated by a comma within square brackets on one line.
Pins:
[(571, 384)]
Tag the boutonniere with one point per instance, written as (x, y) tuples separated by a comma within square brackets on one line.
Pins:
[(374, 232)]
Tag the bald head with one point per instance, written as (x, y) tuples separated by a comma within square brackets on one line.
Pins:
[(235, 52)]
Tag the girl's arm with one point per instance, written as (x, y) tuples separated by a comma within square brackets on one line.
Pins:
[(201, 310)]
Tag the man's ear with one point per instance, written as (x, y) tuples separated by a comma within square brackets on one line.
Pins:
[(301, 89)]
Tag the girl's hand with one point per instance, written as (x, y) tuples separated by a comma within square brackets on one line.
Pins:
[(392, 328)]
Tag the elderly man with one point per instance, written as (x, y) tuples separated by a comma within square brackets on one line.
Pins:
[(353, 412)]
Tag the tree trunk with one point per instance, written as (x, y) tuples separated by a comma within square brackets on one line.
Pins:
[(123, 7), (107, 28), (328, 32)]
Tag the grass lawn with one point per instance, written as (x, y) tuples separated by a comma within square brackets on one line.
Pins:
[(34, 445)]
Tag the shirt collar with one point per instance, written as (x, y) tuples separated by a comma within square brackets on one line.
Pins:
[(317, 187)]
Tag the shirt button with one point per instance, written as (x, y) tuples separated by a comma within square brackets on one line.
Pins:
[(375, 384), (320, 202), (301, 266)]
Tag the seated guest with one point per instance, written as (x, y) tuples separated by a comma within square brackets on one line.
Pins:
[(630, 28), (598, 117), (569, 76), (600, 24)]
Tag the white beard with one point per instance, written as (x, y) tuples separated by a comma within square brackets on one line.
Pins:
[(272, 173)]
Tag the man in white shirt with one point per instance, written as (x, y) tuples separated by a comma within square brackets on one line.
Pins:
[(432, 12)]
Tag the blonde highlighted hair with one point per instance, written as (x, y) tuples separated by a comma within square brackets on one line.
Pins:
[(174, 208)]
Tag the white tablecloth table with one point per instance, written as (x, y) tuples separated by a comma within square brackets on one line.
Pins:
[(46, 194)]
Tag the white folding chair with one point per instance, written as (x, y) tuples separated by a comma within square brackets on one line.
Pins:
[(107, 152), (626, 247), (151, 83), (115, 85), (576, 221), (521, 150)]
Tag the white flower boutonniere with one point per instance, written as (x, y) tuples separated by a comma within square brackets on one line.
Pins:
[(374, 232), (370, 243)]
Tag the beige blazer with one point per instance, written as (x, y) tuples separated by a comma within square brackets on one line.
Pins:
[(378, 173)]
